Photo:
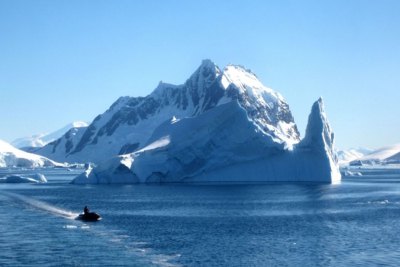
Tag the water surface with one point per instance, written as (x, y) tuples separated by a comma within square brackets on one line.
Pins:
[(353, 223)]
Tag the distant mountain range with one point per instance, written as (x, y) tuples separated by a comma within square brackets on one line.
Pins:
[(386, 155), (40, 140), (363, 156), (346, 156)]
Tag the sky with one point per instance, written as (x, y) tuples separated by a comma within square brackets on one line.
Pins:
[(63, 61)]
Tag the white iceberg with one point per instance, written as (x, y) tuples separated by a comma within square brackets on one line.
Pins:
[(352, 173), (224, 144), (16, 178)]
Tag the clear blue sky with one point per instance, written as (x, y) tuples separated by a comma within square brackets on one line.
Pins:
[(62, 61)]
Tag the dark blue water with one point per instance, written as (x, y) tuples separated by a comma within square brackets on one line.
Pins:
[(355, 223)]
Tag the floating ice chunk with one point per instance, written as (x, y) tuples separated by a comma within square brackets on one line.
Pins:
[(35, 178), (350, 173)]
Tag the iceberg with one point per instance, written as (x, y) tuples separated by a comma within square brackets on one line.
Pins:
[(224, 144), (15, 178)]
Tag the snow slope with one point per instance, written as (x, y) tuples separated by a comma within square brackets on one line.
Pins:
[(127, 125), (224, 144), (382, 155), (346, 156), (13, 157), (395, 159), (40, 140)]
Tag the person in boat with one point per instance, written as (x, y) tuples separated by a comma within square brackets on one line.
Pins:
[(85, 210)]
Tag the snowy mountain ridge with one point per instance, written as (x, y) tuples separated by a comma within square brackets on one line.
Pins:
[(40, 140), (346, 156), (384, 155), (127, 125)]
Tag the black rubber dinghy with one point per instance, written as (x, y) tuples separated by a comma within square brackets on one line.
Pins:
[(89, 217)]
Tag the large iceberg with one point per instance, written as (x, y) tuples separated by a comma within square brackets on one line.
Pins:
[(224, 144)]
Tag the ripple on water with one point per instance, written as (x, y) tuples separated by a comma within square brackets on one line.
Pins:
[(354, 223)]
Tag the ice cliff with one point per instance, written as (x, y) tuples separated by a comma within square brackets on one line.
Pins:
[(13, 157)]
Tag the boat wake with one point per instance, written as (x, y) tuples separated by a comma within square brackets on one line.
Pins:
[(116, 238), (42, 205)]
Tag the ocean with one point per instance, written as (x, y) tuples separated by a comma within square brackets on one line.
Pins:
[(354, 223)]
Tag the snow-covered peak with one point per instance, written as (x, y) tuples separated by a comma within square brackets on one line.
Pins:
[(238, 75), (40, 140), (79, 124), (265, 106), (131, 120), (346, 156), (204, 76), (382, 153), (246, 81)]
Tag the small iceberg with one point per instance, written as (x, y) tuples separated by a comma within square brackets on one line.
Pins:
[(350, 173), (17, 179)]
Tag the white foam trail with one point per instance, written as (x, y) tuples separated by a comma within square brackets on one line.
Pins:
[(70, 227), (157, 259), (43, 206)]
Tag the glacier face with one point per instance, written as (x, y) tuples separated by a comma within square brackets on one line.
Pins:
[(224, 144), (127, 125), (13, 157)]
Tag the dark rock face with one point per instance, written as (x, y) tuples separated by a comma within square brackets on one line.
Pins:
[(263, 114), (86, 137), (128, 148)]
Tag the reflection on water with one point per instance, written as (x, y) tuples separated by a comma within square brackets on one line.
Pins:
[(353, 223)]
